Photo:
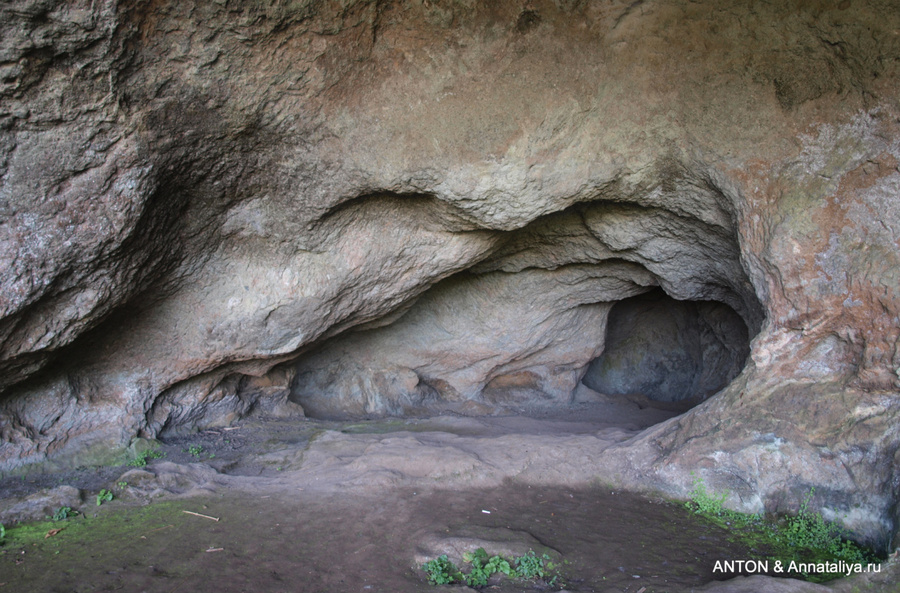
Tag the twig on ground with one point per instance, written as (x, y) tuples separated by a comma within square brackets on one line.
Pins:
[(199, 515)]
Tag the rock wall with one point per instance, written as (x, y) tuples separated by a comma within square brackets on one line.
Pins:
[(196, 198)]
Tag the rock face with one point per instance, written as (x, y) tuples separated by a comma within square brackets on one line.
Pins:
[(372, 207), (489, 338)]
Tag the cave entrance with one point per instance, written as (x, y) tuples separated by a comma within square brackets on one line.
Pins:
[(667, 350), (499, 344)]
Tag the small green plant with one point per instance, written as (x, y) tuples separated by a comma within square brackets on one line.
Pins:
[(704, 503), (805, 538), (63, 513), (142, 458), (532, 566), (2, 533), (104, 496), (808, 530), (441, 571), (711, 507), (122, 485), (195, 451), (483, 567)]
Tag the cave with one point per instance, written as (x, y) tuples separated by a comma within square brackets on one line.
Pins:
[(668, 350), (652, 348), (545, 313), (374, 248)]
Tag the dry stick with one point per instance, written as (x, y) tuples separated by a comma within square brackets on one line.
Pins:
[(199, 515)]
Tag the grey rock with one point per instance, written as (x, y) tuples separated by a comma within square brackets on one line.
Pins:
[(40, 505)]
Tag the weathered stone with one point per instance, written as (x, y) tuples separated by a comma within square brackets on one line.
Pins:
[(40, 506), (495, 337), (169, 479), (755, 583)]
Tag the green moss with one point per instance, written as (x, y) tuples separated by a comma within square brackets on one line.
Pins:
[(97, 455), (88, 528), (57, 547)]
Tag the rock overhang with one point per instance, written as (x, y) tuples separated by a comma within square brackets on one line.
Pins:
[(230, 190)]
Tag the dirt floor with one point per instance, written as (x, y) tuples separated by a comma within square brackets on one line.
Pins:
[(300, 505)]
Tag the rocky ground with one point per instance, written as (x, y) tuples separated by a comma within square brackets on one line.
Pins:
[(275, 505)]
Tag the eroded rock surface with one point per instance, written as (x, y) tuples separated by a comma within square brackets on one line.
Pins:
[(208, 209), (41, 505), (491, 338)]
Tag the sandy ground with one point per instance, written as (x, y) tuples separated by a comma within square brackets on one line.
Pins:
[(304, 505)]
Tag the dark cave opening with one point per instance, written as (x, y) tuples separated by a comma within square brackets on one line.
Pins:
[(668, 350)]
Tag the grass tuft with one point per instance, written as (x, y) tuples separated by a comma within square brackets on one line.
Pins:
[(803, 539), (142, 458)]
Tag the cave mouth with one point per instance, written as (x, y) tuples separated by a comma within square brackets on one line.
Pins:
[(522, 329), (444, 355), (668, 350)]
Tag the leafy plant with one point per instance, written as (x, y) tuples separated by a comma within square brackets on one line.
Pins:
[(483, 567), (711, 507), (195, 451), (441, 571), (63, 513), (142, 458), (2, 533), (809, 531), (532, 566), (104, 496)]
